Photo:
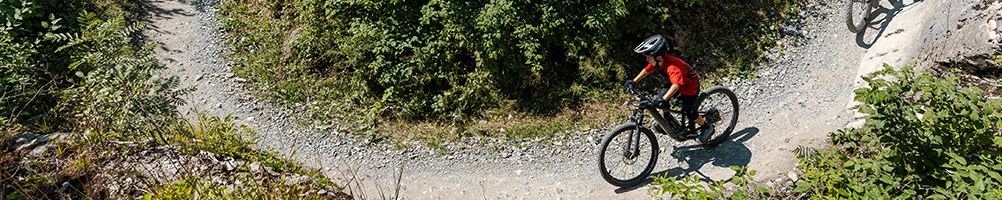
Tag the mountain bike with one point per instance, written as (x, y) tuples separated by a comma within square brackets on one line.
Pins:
[(629, 152), (859, 14)]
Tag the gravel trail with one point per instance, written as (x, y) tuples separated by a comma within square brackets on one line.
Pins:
[(804, 93)]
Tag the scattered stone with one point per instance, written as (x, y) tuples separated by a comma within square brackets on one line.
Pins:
[(254, 167), (40, 150), (24, 140), (792, 175)]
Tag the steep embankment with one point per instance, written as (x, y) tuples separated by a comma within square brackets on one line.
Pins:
[(797, 99)]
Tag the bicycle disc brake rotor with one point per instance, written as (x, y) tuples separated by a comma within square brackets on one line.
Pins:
[(628, 156), (712, 116)]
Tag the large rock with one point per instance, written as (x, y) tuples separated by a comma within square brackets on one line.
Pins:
[(971, 41), (981, 64)]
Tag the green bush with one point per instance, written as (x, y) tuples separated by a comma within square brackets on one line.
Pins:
[(86, 75), (742, 186), (923, 136), (26, 82), (417, 60), (118, 85), (93, 75)]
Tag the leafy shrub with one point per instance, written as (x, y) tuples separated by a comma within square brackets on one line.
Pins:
[(418, 60), (87, 75), (119, 85), (743, 186), (26, 83), (93, 75), (923, 136)]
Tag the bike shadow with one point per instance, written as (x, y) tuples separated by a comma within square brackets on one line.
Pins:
[(880, 18), (732, 152)]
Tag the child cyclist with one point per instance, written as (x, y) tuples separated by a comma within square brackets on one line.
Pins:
[(683, 78)]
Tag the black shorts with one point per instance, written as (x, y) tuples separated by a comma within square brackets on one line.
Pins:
[(688, 104)]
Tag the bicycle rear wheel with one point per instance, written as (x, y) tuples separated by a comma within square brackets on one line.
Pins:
[(858, 15), (618, 164), (719, 107)]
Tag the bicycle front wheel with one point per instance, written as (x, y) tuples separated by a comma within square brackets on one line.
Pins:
[(858, 15), (719, 107), (620, 163)]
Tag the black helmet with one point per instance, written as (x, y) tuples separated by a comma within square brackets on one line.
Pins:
[(651, 45)]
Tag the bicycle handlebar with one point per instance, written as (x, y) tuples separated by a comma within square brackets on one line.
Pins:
[(644, 98)]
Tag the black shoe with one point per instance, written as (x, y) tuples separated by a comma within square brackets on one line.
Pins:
[(705, 135)]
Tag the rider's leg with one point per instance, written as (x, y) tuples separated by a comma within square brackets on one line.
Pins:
[(657, 127), (689, 108), (664, 90)]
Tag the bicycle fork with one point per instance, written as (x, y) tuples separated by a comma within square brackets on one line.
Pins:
[(634, 145)]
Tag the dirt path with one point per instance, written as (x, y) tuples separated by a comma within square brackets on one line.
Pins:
[(800, 97), (189, 44)]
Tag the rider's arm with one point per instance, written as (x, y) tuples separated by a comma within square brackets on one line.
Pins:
[(671, 91), (675, 77), (641, 75)]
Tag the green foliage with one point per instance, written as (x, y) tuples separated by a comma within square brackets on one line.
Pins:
[(201, 188), (221, 136), (216, 135), (24, 82), (924, 136), (418, 60), (743, 187), (94, 76), (119, 84), (87, 76), (79, 160)]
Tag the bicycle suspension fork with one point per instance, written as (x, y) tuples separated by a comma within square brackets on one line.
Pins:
[(635, 134)]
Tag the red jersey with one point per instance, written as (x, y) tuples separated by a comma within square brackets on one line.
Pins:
[(679, 72)]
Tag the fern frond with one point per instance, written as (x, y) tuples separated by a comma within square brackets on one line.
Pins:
[(133, 28), (804, 152)]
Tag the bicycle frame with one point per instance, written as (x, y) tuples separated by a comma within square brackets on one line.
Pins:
[(671, 126)]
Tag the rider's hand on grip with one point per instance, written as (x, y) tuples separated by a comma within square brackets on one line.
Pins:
[(660, 102), (629, 85)]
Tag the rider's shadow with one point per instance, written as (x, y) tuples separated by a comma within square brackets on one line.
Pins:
[(879, 19), (732, 152)]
